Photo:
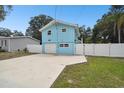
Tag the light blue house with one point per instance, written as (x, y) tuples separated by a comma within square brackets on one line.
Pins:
[(59, 37)]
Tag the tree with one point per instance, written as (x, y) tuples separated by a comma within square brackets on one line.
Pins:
[(116, 12), (81, 32), (37, 23), (4, 10), (5, 32), (88, 32), (85, 34), (102, 30), (17, 33), (110, 27)]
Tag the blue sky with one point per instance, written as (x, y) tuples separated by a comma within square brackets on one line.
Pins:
[(83, 15)]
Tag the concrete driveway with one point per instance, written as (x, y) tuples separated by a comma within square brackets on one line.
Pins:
[(37, 71)]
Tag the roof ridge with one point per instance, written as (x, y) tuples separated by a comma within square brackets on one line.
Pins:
[(57, 21), (21, 37)]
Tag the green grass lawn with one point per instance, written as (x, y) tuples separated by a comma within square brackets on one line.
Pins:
[(103, 72), (7, 55)]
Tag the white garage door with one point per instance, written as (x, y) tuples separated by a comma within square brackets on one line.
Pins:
[(50, 48)]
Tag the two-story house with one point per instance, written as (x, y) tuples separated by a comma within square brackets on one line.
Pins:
[(59, 37)]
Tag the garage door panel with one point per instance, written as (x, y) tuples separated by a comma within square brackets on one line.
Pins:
[(50, 48)]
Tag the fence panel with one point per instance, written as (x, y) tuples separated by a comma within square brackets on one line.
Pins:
[(89, 49), (34, 48), (102, 49), (113, 50), (117, 50), (79, 49)]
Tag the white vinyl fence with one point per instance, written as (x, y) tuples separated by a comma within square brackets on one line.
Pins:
[(112, 50), (34, 48)]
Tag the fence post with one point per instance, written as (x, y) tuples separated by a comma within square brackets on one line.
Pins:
[(83, 49), (109, 48), (93, 49)]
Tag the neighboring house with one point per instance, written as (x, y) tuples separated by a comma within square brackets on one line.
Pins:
[(59, 37), (16, 43)]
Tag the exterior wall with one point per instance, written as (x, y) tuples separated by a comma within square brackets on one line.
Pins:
[(52, 37), (5, 47), (68, 36), (21, 43), (58, 37)]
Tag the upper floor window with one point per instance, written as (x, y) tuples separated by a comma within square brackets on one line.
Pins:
[(63, 30), (49, 32)]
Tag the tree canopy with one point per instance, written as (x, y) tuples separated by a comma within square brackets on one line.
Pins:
[(35, 24), (4, 10), (7, 32), (110, 27), (85, 34), (17, 33)]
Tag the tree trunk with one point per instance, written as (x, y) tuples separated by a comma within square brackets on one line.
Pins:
[(119, 35), (114, 33), (114, 29)]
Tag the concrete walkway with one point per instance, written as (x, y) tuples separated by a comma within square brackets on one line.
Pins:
[(37, 71)]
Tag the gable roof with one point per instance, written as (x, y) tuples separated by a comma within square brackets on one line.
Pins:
[(57, 21), (17, 37)]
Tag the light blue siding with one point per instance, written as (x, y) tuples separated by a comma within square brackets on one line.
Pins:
[(58, 37), (66, 50), (52, 37), (67, 36)]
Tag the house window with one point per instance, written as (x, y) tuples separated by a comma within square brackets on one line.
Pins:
[(61, 45), (64, 45), (49, 40), (49, 32), (63, 30)]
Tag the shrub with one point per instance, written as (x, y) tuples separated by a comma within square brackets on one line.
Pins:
[(2, 50), (25, 50)]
